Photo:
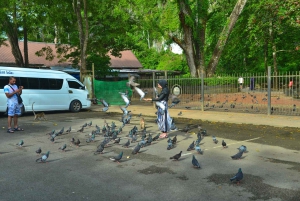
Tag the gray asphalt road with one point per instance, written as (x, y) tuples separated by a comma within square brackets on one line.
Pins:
[(270, 172)]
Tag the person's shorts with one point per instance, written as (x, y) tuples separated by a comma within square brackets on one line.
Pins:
[(14, 109)]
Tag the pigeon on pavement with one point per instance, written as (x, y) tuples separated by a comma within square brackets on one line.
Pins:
[(238, 177), (43, 158), (195, 162), (177, 156), (117, 158)]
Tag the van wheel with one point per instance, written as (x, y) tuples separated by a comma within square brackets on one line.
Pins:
[(75, 106)]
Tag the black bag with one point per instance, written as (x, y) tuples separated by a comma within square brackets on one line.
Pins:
[(20, 100)]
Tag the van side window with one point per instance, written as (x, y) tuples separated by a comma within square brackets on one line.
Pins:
[(4, 81), (55, 84), (44, 83), (23, 82), (33, 83), (75, 85)]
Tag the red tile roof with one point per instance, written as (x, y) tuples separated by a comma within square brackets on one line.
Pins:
[(127, 61)]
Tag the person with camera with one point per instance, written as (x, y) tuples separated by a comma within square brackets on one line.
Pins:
[(14, 104)]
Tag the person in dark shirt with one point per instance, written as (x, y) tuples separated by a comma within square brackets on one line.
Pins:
[(164, 120)]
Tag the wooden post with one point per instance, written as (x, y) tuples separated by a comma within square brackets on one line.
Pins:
[(93, 78), (153, 83)]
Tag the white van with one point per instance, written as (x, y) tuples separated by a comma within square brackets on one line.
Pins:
[(48, 89)]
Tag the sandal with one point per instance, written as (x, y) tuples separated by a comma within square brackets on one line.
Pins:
[(18, 129), (10, 130)]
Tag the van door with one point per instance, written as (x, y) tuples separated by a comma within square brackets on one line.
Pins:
[(78, 95)]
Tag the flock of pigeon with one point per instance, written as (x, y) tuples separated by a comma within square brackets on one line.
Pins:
[(112, 134)]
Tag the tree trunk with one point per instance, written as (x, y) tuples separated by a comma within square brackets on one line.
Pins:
[(187, 43), (239, 6), (26, 60), (266, 51), (83, 32), (12, 35)]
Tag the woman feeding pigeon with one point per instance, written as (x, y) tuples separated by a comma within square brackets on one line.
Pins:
[(164, 120)]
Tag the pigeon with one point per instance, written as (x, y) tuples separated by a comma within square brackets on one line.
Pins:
[(161, 106), (204, 132), (170, 144), (195, 162), (20, 144), (38, 151), (180, 113), (224, 144), (140, 92), (90, 124), (174, 140), (105, 142), (177, 156), (125, 111), (63, 147), (134, 138), (43, 158), (198, 149), (125, 98), (91, 139), (104, 103), (215, 140), (117, 141), (242, 148), (117, 158), (238, 176), (77, 143), (175, 101), (139, 115), (51, 133), (61, 131), (238, 155), (84, 125), (131, 82), (126, 144), (294, 107), (81, 130), (136, 149), (156, 137), (52, 139), (100, 149), (186, 129), (69, 130), (104, 109), (191, 147)]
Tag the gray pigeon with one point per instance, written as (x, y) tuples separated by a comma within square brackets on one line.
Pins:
[(238, 177), (136, 149), (69, 130), (191, 147), (125, 111), (117, 158), (140, 92), (39, 151), (63, 147), (177, 156), (242, 148), (238, 155), (126, 144), (104, 109), (43, 158), (81, 130), (195, 162), (131, 82), (20, 144), (100, 149)]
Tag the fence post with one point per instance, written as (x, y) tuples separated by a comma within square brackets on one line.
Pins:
[(153, 83), (269, 90), (202, 90)]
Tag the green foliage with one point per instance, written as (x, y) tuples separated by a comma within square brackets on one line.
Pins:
[(101, 65)]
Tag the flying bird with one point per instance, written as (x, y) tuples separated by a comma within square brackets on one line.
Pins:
[(175, 101), (140, 92), (131, 82), (125, 99), (177, 156), (238, 176)]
